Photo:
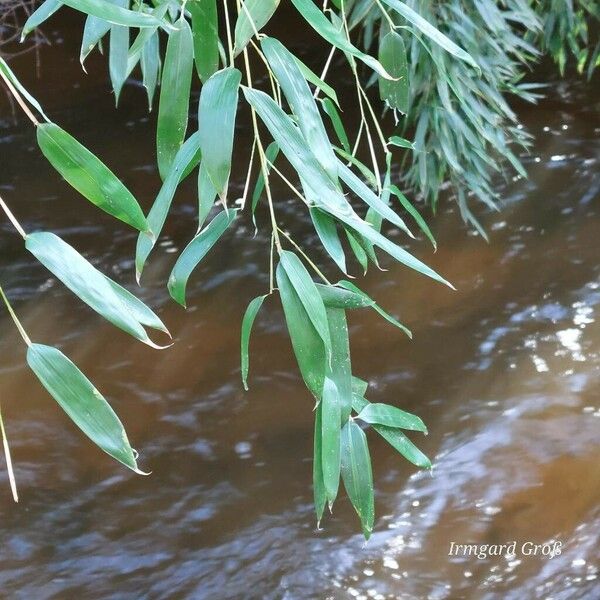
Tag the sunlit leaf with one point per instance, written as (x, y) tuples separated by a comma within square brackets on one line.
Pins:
[(88, 175), (82, 402)]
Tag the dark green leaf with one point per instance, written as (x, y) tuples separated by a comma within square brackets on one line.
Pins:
[(327, 232), (253, 16), (205, 27), (392, 55), (330, 443), (247, 323), (115, 14)]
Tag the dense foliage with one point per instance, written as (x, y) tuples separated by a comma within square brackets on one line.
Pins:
[(442, 69)]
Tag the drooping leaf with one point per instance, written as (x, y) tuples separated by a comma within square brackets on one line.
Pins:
[(116, 15), (88, 175), (334, 35), (308, 294), (401, 142), (430, 31), (195, 251), (303, 105), (392, 55), (336, 121), (252, 17), (103, 295), (357, 474), (93, 31), (39, 15), (118, 58), (376, 413), (7, 71), (247, 323), (150, 63), (394, 437), (306, 342), (414, 213), (82, 402), (185, 160), (330, 441), (205, 28), (327, 232), (313, 78), (353, 288), (174, 100), (336, 297), (216, 124), (206, 195), (271, 154), (339, 369), (320, 497)]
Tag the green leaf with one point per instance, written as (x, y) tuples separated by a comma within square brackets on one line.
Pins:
[(414, 213), (306, 342), (430, 31), (357, 249), (357, 474), (115, 14), (385, 414), (195, 251), (336, 121), (320, 497), (339, 369), (174, 96), (216, 123), (185, 160), (150, 63), (335, 36), (88, 175), (308, 294), (6, 70), (205, 28), (206, 195), (335, 297), (41, 14), (303, 105), (82, 402), (253, 16), (401, 142), (118, 58), (350, 286), (392, 55), (103, 295), (327, 232), (330, 442), (247, 323), (359, 388), (313, 78), (93, 31), (393, 436)]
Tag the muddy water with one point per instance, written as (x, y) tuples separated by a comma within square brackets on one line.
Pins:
[(505, 372)]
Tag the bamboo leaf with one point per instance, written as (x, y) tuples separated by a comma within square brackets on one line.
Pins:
[(150, 63), (116, 15), (330, 442), (253, 16), (306, 342), (38, 16), (271, 154), (247, 322), (320, 497), (118, 58), (339, 369), (174, 101), (93, 31), (216, 124), (334, 35), (205, 28), (401, 142), (327, 232), (336, 121), (335, 297), (357, 474), (414, 213), (392, 55), (88, 175), (384, 414), (103, 295), (82, 402), (195, 251)]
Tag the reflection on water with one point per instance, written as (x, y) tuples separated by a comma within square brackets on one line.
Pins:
[(505, 372)]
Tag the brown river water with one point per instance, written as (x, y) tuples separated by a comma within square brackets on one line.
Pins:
[(505, 372)]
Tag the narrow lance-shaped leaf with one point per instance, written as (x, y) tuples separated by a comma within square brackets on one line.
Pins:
[(253, 16), (392, 55), (247, 322), (335, 297), (103, 295), (216, 123), (150, 63), (391, 416), (207, 194), (271, 154), (414, 213), (335, 36), (118, 58), (336, 121), (320, 497), (205, 29), (430, 31), (82, 402), (93, 31), (174, 101), (116, 15), (298, 94), (38, 16), (187, 158), (330, 442), (306, 342), (394, 437), (357, 474), (327, 232), (195, 251), (88, 175), (308, 294), (7, 71)]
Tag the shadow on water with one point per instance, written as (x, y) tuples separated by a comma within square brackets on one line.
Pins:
[(505, 372)]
